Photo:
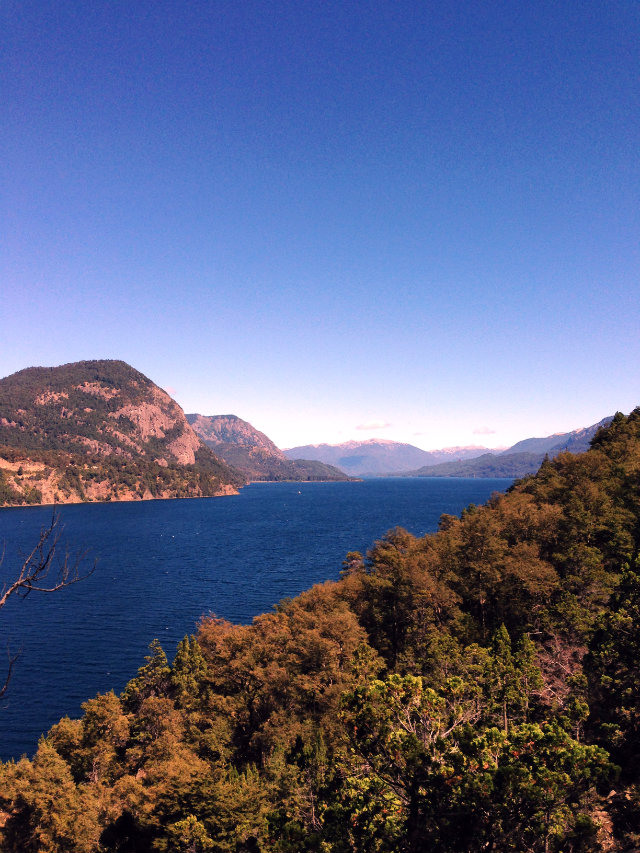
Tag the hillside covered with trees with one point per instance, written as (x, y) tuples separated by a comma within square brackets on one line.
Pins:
[(99, 430), (252, 453), (472, 690), (521, 459)]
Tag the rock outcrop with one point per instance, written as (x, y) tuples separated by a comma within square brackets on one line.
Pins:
[(99, 430), (253, 454)]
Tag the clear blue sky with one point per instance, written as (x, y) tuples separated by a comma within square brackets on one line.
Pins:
[(324, 216)]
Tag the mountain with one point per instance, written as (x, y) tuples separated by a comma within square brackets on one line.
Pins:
[(99, 430), (253, 454), (577, 441), (378, 456), (525, 457), (488, 465), (230, 429)]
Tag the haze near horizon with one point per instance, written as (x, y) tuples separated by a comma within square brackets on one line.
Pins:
[(409, 221)]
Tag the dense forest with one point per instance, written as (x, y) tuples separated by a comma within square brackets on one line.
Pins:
[(472, 690)]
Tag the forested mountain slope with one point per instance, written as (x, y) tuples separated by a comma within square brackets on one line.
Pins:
[(521, 459), (472, 690), (252, 453), (99, 430), (576, 441)]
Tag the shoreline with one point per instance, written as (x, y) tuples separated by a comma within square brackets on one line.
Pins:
[(223, 493)]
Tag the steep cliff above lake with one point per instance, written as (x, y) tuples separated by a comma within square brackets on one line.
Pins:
[(99, 430), (249, 451)]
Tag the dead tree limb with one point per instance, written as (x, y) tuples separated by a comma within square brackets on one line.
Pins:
[(12, 662), (42, 570)]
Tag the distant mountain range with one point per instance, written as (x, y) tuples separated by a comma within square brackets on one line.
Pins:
[(253, 454), (101, 430), (525, 457), (577, 441), (390, 458), (376, 457)]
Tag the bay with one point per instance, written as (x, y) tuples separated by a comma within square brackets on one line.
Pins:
[(162, 565)]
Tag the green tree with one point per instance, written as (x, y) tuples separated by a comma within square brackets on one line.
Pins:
[(420, 777), (611, 666), (513, 678), (189, 836), (188, 673), (153, 679)]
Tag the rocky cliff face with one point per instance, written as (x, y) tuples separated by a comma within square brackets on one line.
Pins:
[(253, 454), (100, 430), (160, 418), (230, 429)]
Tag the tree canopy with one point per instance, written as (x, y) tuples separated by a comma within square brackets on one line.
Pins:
[(471, 690)]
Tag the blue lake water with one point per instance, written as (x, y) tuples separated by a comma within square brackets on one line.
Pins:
[(164, 564)]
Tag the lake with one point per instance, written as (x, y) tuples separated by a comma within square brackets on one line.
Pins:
[(164, 564)]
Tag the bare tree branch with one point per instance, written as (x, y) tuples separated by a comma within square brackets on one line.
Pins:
[(42, 570), (35, 571), (12, 663)]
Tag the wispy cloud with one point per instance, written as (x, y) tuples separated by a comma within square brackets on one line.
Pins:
[(484, 430), (170, 390), (374, 425)]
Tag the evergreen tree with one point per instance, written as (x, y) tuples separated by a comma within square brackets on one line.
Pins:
[(152, 680)]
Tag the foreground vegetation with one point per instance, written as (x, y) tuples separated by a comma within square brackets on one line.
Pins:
[(473, 690)]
